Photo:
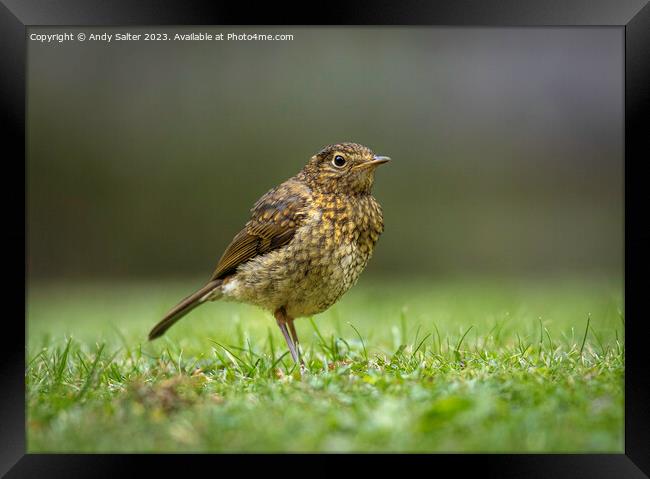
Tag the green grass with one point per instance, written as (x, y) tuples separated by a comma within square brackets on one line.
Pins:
[(467, 366)]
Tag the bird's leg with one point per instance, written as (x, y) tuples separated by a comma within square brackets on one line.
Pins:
[(294, 336), (282, 319)]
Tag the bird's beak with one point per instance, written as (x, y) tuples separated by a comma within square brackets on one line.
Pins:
[(380, 160), (376, 161)]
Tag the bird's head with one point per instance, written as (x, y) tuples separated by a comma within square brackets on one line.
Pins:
[(347, 168)]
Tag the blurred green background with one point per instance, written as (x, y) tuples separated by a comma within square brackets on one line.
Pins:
[(145, 157), (490, 318)]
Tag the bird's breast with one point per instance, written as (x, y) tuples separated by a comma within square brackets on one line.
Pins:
[(322, 261), (341, 241)]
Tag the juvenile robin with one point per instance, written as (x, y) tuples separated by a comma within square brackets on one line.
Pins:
[(305, 245)]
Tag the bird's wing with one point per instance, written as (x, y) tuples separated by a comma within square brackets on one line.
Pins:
[(274, 220)]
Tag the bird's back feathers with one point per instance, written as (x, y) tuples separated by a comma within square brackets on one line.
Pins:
[(274, 220)]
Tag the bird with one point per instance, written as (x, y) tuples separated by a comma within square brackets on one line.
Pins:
[(304, 246)]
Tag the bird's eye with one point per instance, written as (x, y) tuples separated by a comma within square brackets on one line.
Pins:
[(338, 161)]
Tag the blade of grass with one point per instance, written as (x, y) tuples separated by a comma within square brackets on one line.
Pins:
[(271, 346), (462, 338), (439, 339), (275, 363), (420, 345), (91, 375), (584, 338), (63, 362), (365, 353)]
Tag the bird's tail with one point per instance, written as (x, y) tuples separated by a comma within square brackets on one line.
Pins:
[(181, 309)]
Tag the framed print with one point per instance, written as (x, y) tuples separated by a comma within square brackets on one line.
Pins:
[(413, 232)]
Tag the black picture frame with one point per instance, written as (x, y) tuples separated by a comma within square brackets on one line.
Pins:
[(631, 15)]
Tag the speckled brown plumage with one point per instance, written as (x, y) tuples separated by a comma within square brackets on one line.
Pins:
[(306, 242)]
